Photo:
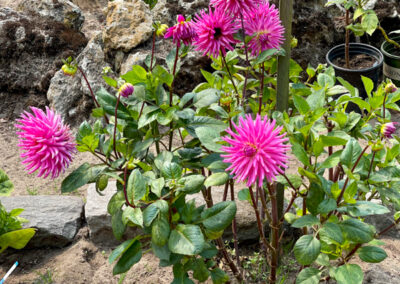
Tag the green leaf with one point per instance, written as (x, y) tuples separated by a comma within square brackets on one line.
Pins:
[(160, 231), (208, 136), (296, 180), (16, 239), (350, 153), (364, 208), (137, 75), (332, 161), (81, 176), (117, 225), (349, 274), (357, 231), (131, 256), (163, 75), (331, 233), (116, 202), (136, 187), (133, 215), (157, 185), (325, 80), (218, 217), (369, 22), (171, 170), (206, 98), (300, 154), (200, 270), (332, 140), (150, 213), (118, 251), (368, 84), (309, 275), (314, 197), (301, 104), (307, 249), (306, 220), (218, 276), (193, 183), (216, 179), (327, 206), (371, 254), (186, 240), (110, 81), (6, 186)]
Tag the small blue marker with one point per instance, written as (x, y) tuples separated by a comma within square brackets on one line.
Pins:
[(9, 272)]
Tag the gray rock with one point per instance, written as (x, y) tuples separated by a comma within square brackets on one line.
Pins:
[(98, 219), (383, 221), (31, 52), (136, 58), (128, 24), (57, 218), (70, 96), (62, 11)]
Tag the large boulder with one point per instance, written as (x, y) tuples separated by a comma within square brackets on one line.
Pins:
[(70, 96), (61, 11), (56, 218), (128, 24), (31, 52)]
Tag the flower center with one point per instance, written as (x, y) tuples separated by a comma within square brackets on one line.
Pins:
[(263, 36), (217, 33), (249, 150)]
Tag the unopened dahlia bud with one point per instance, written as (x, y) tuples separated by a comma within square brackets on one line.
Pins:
[(161, 30), (69, 69), (390, 88), (388, 129), (126, 90)]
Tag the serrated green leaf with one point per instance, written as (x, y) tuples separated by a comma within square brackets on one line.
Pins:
[(186, 240), (371, 254), (309, 275), (307, 249)]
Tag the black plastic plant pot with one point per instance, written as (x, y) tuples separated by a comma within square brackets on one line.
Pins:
[(353, 76), (391, 61)]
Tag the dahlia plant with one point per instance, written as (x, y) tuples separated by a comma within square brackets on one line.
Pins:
[(163, 150)]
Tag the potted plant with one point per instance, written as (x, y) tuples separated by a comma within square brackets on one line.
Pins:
[(353, 60), (391, 53)]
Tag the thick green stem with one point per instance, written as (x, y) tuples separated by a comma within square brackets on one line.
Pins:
[(274, 234), (115, 128), (247, 60), (397, 45), (171, 135), (347, 44)]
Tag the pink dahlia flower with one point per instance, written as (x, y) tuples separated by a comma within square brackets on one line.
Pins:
[(257, 151), (388, 129), (234, 7), (47, 144), (265, 28), (182, 31), (215, 31), (126, 90)]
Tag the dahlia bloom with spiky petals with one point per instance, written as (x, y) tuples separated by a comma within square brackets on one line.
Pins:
[(388, 129), (47, 144), (182, 31), (215, 31), (126, 90), (234, 7), (257, 151), (265, 28)]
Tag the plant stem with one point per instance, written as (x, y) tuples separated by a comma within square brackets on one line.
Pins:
[(234, 227), (384, 107), (347, 44), (230, 76), (171, 135), (397, 45), (261, 89), (115, 127), (91, 91), (231, 264), (259, 223), (274, 234), (347, 179), (247, 60), (153, 48)]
